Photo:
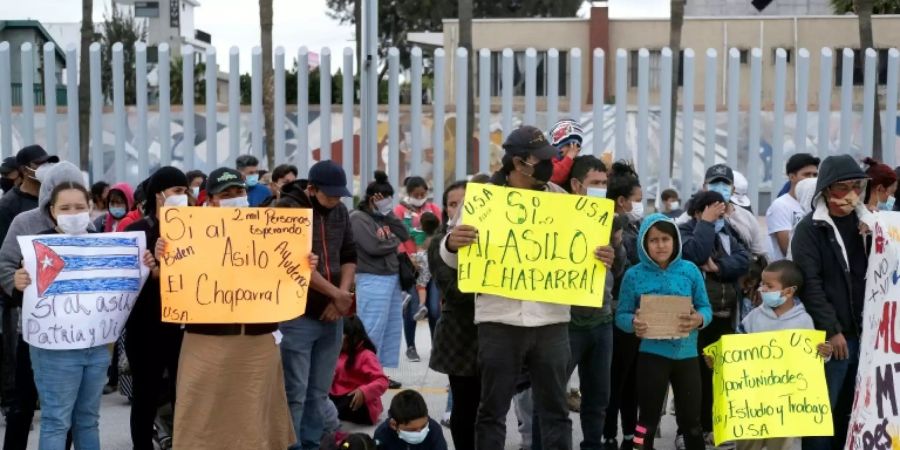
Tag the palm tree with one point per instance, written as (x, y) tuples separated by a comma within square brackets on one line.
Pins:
[(84, 93), (265, 25)]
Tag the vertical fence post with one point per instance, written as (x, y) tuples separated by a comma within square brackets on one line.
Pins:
[(888, 130), (347, 98), (325, 104), (256, 103), (825, 70), (599, 100), (778, 123), (802, 81), (621, 103), (530, 86), (665, 120), (212, 120), (302, 153), (120, 155), (234, 106), (27, 94), (5, 102), (462, 105), (687, 127), (50, 98), (868, 116), (74, 147), (507, 91), (415, 120), (709, 108), (394, 117), (437, 132), (484, 111), (97, 150), (165, 135), (140, 135), (575, 84), (734, 104), (552, 92), (643, 129), (844, 139), (187, 108), (753, 173), (279, 105)]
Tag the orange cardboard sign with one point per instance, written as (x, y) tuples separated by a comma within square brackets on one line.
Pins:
[(234, 265)]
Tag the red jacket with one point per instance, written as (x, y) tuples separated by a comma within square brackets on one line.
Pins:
[(562, 167), (409, 247), (365, 375)]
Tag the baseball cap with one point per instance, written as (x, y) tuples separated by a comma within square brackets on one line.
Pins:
[(740, 197), (329, 178), (222, 179), (9, 165), (34, 154), (529, 140), (720, 172), (564, 132)]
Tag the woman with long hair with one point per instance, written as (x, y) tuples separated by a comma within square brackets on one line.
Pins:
[(359, 381)]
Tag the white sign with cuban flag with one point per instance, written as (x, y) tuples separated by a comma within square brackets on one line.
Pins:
[(82, 287)]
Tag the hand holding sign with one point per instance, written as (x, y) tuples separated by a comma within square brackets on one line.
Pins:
[(640, 326), (461, 236), (21, 279)]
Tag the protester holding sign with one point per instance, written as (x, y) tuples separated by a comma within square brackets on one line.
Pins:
[(378, 234), (662, 272), (513, 333), (831, 247)]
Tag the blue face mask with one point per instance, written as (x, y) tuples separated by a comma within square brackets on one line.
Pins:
[(596, 192), (772, 299), (117, 212), (887, 205), (413, 437), (252, 180), (720, 224), (722, 188)]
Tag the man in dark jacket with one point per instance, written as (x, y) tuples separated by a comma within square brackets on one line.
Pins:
[(709, 242), (831, 246), (312, 342)]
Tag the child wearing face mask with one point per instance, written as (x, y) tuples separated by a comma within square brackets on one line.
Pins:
[(120, 202), (408, 426)]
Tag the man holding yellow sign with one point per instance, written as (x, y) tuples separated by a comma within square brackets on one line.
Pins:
[(523, 246)]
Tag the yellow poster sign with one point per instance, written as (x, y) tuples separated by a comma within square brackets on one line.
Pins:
[(234, 265), (535, 245), (769, 385)]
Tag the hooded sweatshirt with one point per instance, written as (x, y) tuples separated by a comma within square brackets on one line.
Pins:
[(107, 223), (378, 239), (763, 319), (680, 278)]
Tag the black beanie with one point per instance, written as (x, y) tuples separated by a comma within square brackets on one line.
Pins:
[(164, 178)]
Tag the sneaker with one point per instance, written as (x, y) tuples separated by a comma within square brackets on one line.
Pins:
[(445, 421), (394, 384), (679, 442), (610, 444), (421, 313), (412, 355)]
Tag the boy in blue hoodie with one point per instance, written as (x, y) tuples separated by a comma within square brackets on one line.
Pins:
[(661, 271)]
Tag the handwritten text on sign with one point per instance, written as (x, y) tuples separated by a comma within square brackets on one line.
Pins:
[(535, 245), (769, 385), (234, 265), (82, 287)]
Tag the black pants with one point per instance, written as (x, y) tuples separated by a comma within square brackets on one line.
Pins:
[(23, 400), (8, 369), (623, 386), (502, 352), (359, 416), (150, 356), (466, 396), (717, 328), (656, 374)]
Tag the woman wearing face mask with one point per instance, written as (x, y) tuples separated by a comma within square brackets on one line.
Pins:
[(69, 382), (419, 301), (378, 234), (120, 201), (882, 186)]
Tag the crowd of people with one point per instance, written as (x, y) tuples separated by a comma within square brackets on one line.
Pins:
[(391, 261)]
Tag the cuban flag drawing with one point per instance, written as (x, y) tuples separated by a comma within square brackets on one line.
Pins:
[(82, 287)]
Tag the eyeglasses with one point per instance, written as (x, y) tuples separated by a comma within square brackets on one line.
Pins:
[(845, 187)]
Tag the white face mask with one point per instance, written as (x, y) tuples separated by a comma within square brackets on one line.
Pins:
[(236, 202), (195, 191), (383, 206), (674, 205), (413, 437), (176, 200), (74, 223), (637, 211), (415, 202)]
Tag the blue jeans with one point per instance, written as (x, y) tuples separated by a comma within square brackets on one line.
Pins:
[(841, 379), (70, 385), (309, 353), (432, 302)]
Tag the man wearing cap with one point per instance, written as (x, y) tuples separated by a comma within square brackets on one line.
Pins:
[(25, 196), (9, 174), (312, 342), (567, 137), (514, 334), (786, 211)]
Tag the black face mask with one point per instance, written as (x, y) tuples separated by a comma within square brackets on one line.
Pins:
[(7, 184), (318, 206), (543, 171)]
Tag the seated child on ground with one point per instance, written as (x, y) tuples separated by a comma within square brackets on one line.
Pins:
[(408, 426), (359, 381)]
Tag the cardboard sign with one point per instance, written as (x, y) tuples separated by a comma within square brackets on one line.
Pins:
[(769, 385), (535, 245), (875, 420), (82, 289), (234, 265), (661, 314)]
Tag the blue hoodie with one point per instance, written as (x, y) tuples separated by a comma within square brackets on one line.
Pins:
[(681, 278)]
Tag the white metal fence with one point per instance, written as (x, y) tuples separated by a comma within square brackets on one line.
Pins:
[(132, 140)]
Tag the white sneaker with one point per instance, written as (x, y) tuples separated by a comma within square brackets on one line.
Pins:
[(421, 313)]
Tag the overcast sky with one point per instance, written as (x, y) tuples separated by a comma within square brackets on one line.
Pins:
[(296, 22)]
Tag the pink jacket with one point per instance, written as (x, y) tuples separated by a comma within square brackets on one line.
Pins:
[(409, 247), (365, 375)]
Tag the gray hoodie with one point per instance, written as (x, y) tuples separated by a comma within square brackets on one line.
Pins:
[(762, 319)]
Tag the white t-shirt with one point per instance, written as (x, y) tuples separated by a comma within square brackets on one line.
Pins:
[(783, 215)]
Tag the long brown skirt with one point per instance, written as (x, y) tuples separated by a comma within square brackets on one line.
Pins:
[(231, 394)]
